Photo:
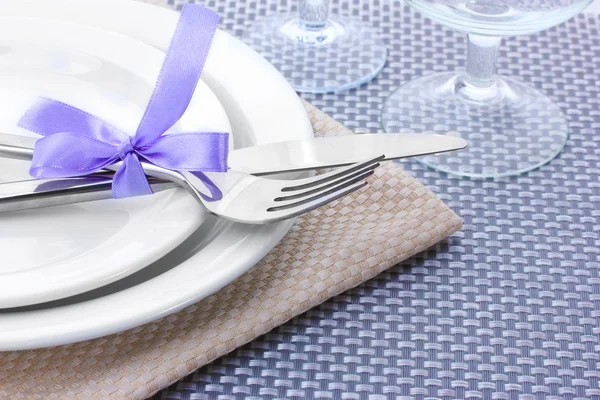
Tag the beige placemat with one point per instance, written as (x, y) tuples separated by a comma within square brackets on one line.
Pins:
[(326, 253)]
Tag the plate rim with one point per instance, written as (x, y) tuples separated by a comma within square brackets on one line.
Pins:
[(35, 329)]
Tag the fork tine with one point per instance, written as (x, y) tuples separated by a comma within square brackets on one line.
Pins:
[(324, 194), (328, 185), (330, 176), (321, 201)]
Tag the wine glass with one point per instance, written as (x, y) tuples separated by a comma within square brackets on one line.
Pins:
[(318, 52), (511, 127)]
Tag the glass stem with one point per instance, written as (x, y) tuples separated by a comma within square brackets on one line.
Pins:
[(482, 53), (312, 14), (478, 85)]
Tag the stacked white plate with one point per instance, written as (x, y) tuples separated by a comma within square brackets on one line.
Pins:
[(82, 271)]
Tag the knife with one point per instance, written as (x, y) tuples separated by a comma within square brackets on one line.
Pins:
[(272, 158), (299, 155)]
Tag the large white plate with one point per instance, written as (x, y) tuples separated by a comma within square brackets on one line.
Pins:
[(55, 253), (261, 107)]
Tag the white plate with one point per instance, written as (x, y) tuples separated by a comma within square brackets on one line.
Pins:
[(261, 107), (55, 253)]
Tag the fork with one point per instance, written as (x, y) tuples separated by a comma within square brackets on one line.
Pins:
[(245, 198), (254, 200)]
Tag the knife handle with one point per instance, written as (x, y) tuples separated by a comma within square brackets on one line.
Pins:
[(33, 194)]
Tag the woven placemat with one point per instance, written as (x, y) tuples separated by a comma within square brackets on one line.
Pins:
[(510, 307), (327, 252)]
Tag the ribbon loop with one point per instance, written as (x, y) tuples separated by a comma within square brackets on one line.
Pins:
[(66, 154), (194, 151), (77, 143)]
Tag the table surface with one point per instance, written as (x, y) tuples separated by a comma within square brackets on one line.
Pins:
[(508, 308)]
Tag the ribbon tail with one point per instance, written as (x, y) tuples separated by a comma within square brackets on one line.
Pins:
[(180, 72), (130, 180), (215, 192)]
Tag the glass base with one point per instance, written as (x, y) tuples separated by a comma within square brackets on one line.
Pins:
[(342, 55), (511, 127)]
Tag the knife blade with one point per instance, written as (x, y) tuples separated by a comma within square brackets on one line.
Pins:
[(337, 151), (272, 158)]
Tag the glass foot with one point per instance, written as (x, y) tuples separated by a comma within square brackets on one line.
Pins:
[(341, 55), (511, 128)]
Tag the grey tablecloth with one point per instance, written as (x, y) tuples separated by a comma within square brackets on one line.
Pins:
[(510, 308)]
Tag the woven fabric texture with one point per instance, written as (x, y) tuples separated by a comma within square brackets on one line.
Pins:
[(327, 252), (509, 308)]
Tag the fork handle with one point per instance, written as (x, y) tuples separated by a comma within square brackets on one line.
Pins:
[(40, 193), (33, 194)]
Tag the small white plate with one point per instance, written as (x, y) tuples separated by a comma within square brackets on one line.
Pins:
[(54, 253), (262, 108)]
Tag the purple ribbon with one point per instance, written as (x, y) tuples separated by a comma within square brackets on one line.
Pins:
[(77, 143)]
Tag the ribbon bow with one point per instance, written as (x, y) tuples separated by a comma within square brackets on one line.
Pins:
[(77, 143)]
